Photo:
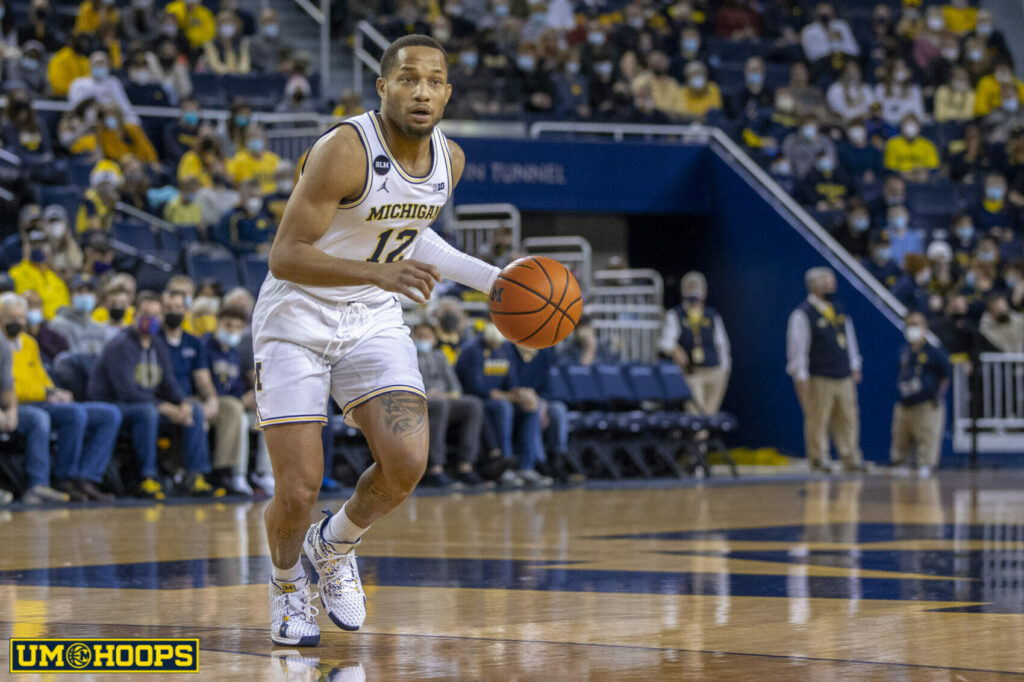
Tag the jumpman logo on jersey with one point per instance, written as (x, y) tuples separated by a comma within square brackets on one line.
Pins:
[(384, 185)]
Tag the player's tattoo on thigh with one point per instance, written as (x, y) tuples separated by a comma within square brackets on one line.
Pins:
[(404, 413)]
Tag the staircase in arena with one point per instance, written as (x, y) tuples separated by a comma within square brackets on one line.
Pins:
[(303, 33)]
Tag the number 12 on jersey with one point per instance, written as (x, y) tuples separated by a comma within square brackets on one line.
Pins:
[(403, 238)]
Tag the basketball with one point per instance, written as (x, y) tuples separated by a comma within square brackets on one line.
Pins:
[(535, 302)]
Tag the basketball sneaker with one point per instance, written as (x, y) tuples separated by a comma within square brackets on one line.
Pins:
[(341, 590), (292, 614)]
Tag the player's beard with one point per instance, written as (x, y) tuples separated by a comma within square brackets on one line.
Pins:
[(410, 130)]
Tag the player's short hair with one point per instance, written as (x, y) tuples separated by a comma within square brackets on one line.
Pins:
[(233, 311), (390, 57), (147, 296)]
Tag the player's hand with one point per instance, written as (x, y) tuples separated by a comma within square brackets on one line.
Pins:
[(410, 278)]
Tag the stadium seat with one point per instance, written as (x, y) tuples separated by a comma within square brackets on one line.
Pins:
[(208, 89), (254, 270), (938, 198), (137, 235), (10, 251), (263, 90), (68, 196), (591, 426), (211, 262), (151, 95)]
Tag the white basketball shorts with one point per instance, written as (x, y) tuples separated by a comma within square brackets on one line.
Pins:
[(308, 351)]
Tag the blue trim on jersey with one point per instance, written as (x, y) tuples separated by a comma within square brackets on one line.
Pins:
[(443, 143), (369, 168), (414, 179)]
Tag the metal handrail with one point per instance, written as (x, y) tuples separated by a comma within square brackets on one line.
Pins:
[(147, 218), (10, 157), (365, 29), (619, 130), (322, 16)]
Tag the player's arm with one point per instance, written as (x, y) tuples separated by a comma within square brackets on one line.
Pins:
[(336, 171), (449, 261)]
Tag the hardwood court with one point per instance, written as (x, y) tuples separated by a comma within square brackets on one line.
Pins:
[(874, 578)]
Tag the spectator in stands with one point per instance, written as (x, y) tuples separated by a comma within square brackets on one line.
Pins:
[(962, 240), (894, 193), (920, 414), (829, 68), (990, 40), (989, 92), (184, 209), (1001, 326), (29, 69), (447, 406), (825, 187), (117, 310), (266, 48), (239, 119), (911, 289), (957, 331), (42, 27), (902, 238), (95, 13), (974, 157), (182, 135), (803, 148), (880, 264), (909, 154), (409, 19), (23, 132), (205, 159), (96, 212), (135, 188), (694, 336), (698, 95), (529, 84), (960, 18), (67, 255), (75, 323), (99, 256), (927, 46), (140, 24), (30, 423), (254, 162), (170, 70), (298, 97), (824, 361), (572, 90), (533, 370), (218, 197), (739, 20), (284, 182), (51, 343), (451, 328), (475, 82), (853, 233), (1008, 116), (248, 227), (994, 211), (485, 370), (583, 347), (246, 20), (135, 372), (691, 49), (978, 62), (100, 86), (644, 108), (807, 97), (850, 97), (34, 271), (229, 53), (659, 87), (858, 159), (898, 95), (70, 63), (85, 431), (194, 20), (815, 36), (749, 103), (121, 139), (954, 101)]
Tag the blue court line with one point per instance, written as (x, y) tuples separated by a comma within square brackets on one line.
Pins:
[(553, 576)]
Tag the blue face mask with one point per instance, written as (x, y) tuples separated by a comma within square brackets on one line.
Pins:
[(755, 78), (271, 30), (971, 279), (110, 121), (884, 253), (241, 120), (826, 164), (994, 193), (525, 63), (255, 145), (861, 224), (424, 346), (965, 232), (690, 45), (100, 72), (469, 59), (191, 118), (229, 339), (84, 303), (899, 222), (35, 316)]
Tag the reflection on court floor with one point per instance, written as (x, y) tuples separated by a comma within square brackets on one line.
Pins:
[(855, 578)]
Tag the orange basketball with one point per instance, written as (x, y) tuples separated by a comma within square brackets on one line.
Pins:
[(536, 302)]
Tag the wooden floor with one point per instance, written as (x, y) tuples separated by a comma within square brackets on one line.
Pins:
[(875, 578)]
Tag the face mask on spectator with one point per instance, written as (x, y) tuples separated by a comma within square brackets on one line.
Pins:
[(501, 10), (965, 232), (100, 72), (525, 62), (29, 63), (229, 339), (596, 38), (253, 205), (141, 4), (442, 35), (56, 229), (755, 78), (690, 45), (140, 76), (572, 68), (101, 268), (271, 30), (898, 223), (255, 145), (83, 303), (190, 118), (883, 253), (1003, 76), (492, 336), (469, 59), (603, 69), (861, 223), (984, 30), (2, 12), (994, 193), (902, 75), (226, 31), (110, 121), (117, 313), (857, 134), (987, 256), (147, 325), (961, 84), (241, 120), (698, 82), (911, 130), (913, 334), (285, 186), (448, 322), (1011, 104), (936, 23), (825, 164), (975, 55), (34, 315), (835, 45), (950, 54), (173, 320), (635, 22), (455, 10), (424, 346), (12, 329), (809, 131), (1011, 281), (169, 29), (782, 167)]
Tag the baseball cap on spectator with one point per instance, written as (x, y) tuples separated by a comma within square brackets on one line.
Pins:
[(99, 243), (940, 251), (105, 171), (29, 214), (82, 281)]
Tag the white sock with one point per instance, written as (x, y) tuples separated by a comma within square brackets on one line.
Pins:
[(289, 575), (341, 528)]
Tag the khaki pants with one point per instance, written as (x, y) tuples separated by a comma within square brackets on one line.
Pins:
[(230, 449), (831, 408), (708, 386), (917, 429)]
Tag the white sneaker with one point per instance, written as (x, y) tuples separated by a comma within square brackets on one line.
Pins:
[(239, 484), (292, 614), (510, 479), (289, 665), (41, 494), (265, 482), (531, 477), (341, 590)]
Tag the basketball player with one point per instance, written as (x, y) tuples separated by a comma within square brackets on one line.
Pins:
[(354, 233)]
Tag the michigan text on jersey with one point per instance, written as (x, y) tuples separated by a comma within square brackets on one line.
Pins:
[(404, 211)]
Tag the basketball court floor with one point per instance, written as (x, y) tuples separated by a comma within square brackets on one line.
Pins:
[(872, 578)]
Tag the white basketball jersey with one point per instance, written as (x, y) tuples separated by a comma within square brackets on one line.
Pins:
[(382, 224)]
